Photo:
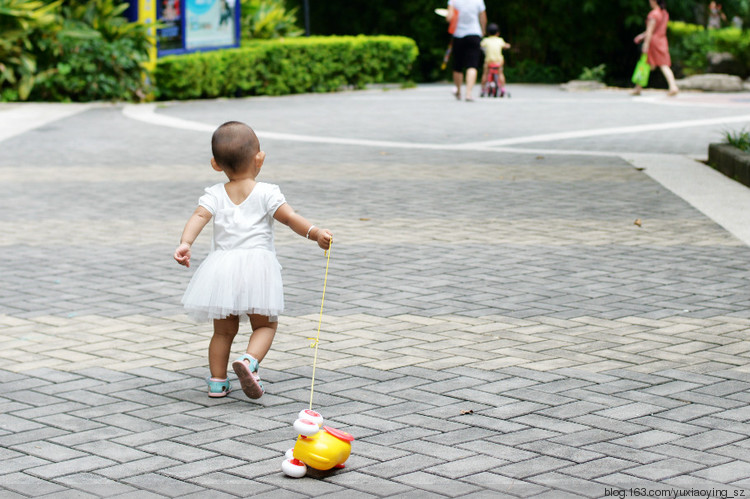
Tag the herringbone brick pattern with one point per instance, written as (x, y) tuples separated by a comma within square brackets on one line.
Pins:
[(461, 429), (491, 342), (496, 325)]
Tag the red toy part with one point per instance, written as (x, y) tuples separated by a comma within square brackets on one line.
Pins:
[(294, 468), (305, 427), (341, 435), (311, 415)]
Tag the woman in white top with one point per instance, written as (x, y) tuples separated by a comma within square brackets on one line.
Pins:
[(471, 26)]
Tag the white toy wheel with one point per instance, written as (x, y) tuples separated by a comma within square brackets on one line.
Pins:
[(289, 454), (294, 468), (313, 416), (306, 427)]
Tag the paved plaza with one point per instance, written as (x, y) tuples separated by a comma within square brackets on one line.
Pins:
[(545, 296)]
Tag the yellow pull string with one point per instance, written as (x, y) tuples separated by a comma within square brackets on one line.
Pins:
[(316, 340)]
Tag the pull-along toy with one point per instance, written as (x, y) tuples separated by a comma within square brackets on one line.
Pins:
[(320, 447)]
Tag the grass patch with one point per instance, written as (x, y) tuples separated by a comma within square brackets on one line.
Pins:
[(739, 139)]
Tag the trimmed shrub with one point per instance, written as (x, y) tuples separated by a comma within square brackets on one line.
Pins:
[(296, 65)]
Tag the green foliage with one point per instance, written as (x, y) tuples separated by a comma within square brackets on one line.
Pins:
[(690, 44), (267, 19), (597, 73), (26, 27), (95, 69), (533, 72), (294, 65), (106, 17), (102, 54), (563, 35), (70, 50), (739, 139)]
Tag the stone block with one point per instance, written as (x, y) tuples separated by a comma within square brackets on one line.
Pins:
[(582, 86), (667, 468), (712, 83), (731, 161), (723, 63)]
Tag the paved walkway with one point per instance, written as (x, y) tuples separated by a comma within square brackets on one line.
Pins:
[(545, 296)]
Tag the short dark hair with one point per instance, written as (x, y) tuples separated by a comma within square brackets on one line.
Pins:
[(234, 145), (493, 29)]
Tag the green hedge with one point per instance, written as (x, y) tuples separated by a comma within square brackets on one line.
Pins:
[(689, 45), (95, 69), (294, 65)]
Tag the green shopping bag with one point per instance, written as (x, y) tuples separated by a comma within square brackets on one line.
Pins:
[(642, 71)]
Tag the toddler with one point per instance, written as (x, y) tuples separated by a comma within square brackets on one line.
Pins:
[(493, 47), (241, 276)]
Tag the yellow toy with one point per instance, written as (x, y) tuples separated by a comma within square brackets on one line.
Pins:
[(320, 447)]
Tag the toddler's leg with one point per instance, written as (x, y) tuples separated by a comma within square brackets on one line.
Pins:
[(221, 344), (246, 366), (263, 333)]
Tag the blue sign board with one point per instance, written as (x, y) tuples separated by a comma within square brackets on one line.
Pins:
[(192, 25)]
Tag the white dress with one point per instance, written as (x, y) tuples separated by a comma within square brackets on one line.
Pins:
[(241, 275)]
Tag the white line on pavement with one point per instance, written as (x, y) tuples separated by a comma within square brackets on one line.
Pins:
[(715, 101), (578, 134), (721, 199), (146, 113), (22, 117)]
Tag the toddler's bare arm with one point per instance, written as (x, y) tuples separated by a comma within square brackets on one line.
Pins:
[(299, 224), (193, 227)]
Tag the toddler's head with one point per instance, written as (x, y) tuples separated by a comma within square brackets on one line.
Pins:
[(234, 146), (493, 29)]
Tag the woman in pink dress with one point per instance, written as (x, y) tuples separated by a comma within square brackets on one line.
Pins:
[(655, 43)]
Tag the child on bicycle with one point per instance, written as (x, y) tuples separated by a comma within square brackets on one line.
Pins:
[(494, 61)]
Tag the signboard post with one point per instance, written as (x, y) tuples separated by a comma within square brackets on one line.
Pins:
[(147, 16)]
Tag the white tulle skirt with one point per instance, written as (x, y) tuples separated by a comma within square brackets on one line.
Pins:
[(235, 282)]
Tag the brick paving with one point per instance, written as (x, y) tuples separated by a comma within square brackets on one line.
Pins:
[(496, 324)]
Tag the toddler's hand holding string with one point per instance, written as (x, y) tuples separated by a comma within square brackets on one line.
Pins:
[(324, 238), (299, 224)]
